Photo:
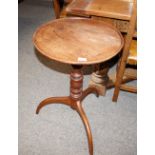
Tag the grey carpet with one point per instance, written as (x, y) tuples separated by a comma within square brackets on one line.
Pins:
[(58, 130)]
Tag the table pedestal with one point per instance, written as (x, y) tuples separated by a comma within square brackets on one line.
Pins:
[(75, 100), (99, 78), (101, 81)]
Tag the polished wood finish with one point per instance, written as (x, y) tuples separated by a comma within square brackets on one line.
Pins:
[(128, 88), (129, 75), (115, 12), (99, 77), (132, 58), (121, 25), (105, 8), (75, 100), (57, 8), (125, 54), (78, 7), (78, 41), (60, 7)]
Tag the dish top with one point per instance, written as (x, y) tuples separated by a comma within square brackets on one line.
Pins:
[(78, 41)]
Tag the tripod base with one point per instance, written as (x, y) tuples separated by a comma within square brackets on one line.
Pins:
[(75, 100), (76, 105)]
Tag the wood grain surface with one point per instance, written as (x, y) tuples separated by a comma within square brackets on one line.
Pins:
[(78, 40), (119, 9)]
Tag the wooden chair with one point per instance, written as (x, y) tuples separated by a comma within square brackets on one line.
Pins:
[(59, 7), (129, 56)]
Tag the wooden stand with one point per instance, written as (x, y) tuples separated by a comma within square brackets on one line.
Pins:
[(78, 41), (75, 100)]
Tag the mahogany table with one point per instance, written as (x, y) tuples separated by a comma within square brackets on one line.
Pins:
[(78, 42)]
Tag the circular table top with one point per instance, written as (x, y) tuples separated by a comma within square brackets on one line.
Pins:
[(78, 40)]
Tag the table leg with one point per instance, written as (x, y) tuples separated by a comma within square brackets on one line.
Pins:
[(87, 126), (54, 100), (75, 100)]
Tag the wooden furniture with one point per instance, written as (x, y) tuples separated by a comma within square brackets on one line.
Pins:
[(115, 12), (78, 42), (129, 56), (60, 7)]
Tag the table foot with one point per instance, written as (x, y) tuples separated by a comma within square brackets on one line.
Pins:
[(87, 126), (54, 100)]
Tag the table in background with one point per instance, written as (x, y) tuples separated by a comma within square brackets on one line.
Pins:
[(115, 12)]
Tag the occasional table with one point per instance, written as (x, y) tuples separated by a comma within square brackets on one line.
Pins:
[(78, 42)]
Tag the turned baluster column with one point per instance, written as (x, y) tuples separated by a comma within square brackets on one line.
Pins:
[(76, 82), (99, 78)]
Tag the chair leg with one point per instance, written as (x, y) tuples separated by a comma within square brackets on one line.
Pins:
[(125, 52), (119, 77), (56, 7)]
